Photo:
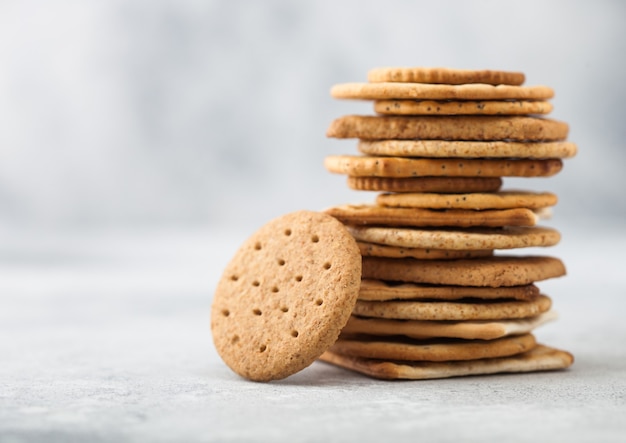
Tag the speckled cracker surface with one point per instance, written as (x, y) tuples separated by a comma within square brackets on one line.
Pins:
[(467, 149), (381, 291), (286, 294), (475, 200), (491, 107), (365, 166), (540, 358), (375, 250), (438, 75), (454, 239), (458, 127), (457, 311)]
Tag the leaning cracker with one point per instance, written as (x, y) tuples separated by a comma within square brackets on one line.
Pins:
[(540, 358), (467, 149), (380, 215), (459, 127), (444, 75), (425, 184), (466, 329), (489, 271), (474, 200), (378, 290), (374, 250), (491, 107), (365, 166), (468, 239), (455, 311), (286, 294), (421, 91)]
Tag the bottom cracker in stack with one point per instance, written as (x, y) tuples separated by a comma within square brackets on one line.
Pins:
[(439, 316)]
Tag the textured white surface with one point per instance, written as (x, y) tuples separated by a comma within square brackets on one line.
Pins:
[(104, 336)]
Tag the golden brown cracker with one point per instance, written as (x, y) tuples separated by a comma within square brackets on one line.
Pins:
[(425, 184), (493, 271), (397, 167), (284, 297), (375, 250), (466, 107), (449, 76), (475, 200)]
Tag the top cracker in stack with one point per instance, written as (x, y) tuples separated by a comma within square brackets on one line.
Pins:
[(439, 148)]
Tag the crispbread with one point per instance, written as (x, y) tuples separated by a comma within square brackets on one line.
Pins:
[(475, 200), (365, 166), (467, 329), (286, 294), (426, 184), (467, 149), (444, 76), (421, 91), (489, 271), (459, 127), (374, 250), (432, 350), (455, 239), (377, 290), (380, 215), (458, 310), (540, 358), (491, 107)]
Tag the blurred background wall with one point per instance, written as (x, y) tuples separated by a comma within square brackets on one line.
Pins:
[(214, 113)]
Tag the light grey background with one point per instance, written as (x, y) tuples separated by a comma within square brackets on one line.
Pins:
[(215, 112)]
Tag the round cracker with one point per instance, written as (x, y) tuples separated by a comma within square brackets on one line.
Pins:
[(467, 149), (285, 295), (463, 107), (425, 184), (444, 76)]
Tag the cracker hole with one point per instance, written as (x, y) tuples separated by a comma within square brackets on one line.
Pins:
[(255, 283), (256, 311), (284, 309), (319, 302), (315, 239), (298, 278), (234, 277), (257, 246), (225, 312), (294, 333), (275, 289), (281, 262), (327, 266), (287, 232), (234, 340), (262, 348)]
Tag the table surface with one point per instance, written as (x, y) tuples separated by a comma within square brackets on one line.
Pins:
[(104, 336)]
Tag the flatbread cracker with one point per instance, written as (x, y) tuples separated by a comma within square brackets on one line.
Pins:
[(489, 271), (414, 217), (374, 250), (468, 239), (425, 184), (475, 200), (467, 149), (456, 311), (444, 76), (364, 166), (422, 91), (466, 329), (432, 350), (461, 107), (540, 358), (378, 290)]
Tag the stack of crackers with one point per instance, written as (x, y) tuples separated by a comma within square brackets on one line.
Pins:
[(435, 300)]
